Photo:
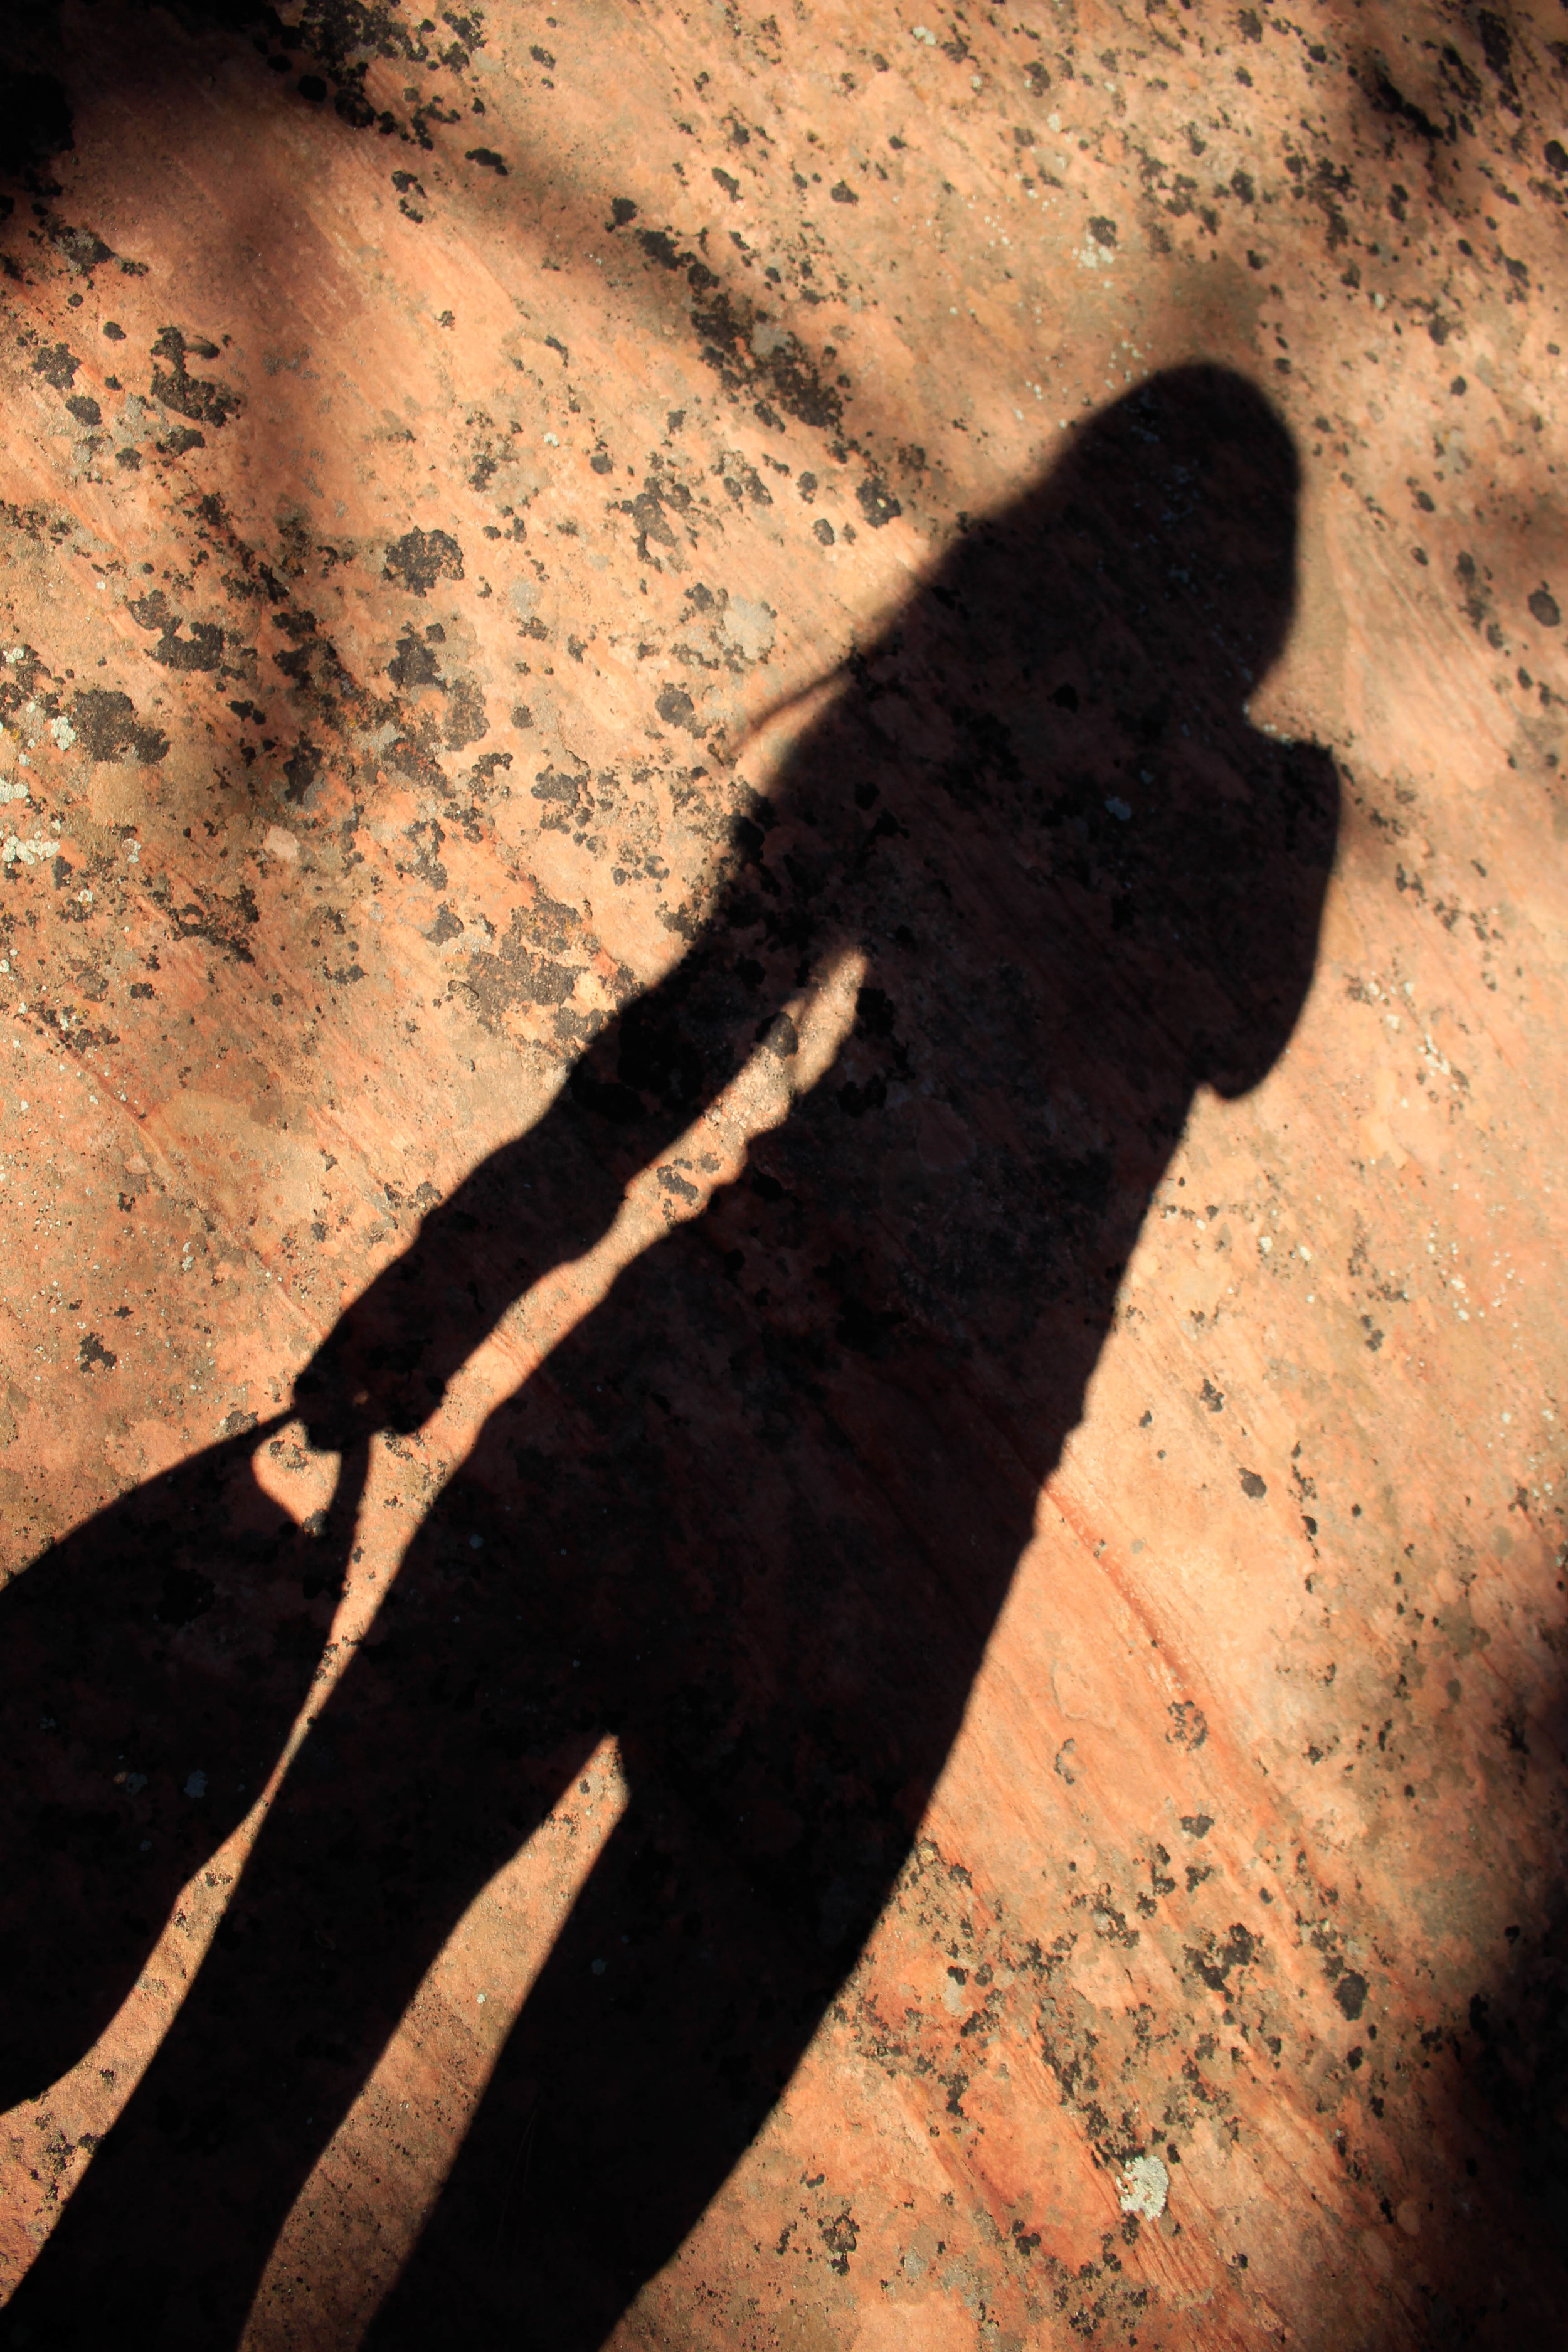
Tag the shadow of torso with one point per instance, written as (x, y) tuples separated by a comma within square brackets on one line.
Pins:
[(758, 1515)]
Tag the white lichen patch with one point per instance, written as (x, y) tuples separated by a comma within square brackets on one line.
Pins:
[(41, 848), (1143, 2188)]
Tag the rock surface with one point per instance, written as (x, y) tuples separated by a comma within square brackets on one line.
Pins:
[(781, 919)]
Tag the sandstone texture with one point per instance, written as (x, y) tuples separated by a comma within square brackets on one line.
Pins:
[(782, 953)]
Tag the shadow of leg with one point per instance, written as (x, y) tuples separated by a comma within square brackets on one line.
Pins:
[(394, 1816), (671, 2013)]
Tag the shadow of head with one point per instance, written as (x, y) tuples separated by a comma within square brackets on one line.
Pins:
[(1171, 523), (1068, 694)]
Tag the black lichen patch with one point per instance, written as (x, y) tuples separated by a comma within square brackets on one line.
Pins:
[(221, 922), (648, 509), (1214, 1961), (676, 707), (58, 364), (83, 248), (107, 727), (201, 650), (92, 1353), (749, 355), (877, 502), (1189, 1725), (414, 663), (527, 969), (420, 558), (464, 723), (301, 770), (203, 400), (1351, 1994), (564, 799)]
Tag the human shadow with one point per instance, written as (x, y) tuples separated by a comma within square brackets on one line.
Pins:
[(757, 1516)]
